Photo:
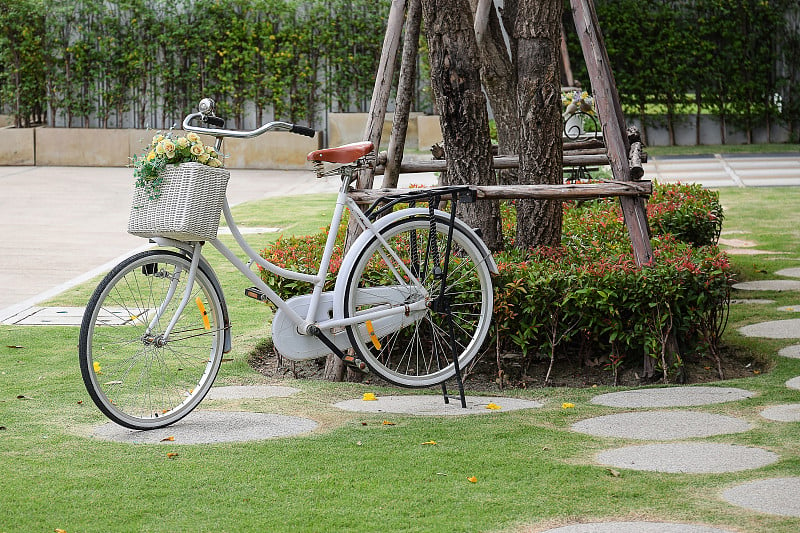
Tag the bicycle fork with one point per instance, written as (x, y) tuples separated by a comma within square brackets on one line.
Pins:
[(162, 339)]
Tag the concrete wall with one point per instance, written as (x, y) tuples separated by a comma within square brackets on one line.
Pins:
[(17, 147), (685, 133), (115, 148)]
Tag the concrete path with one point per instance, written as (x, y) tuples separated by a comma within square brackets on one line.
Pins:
[(727, 170)]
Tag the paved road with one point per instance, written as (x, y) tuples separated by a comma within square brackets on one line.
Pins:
[(63, 225)]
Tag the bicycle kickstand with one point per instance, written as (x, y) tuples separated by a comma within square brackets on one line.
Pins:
[(444, 303)]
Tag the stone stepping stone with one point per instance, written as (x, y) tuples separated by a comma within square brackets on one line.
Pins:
[(636, 527), (211, 427), (777, 496), (430, 404), (688, 458), (779, 285), (790, 351), (671, 397), (783, 413), (790, 308), (246, 392), (661, 425), (773, 329), (794, 383), (751, 301), (789, 272)]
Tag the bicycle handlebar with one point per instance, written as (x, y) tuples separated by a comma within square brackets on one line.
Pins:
[(206, 114)]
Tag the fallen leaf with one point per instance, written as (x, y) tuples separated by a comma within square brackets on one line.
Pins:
[(97, 368), (388, 423), (3, 428), (567, 405), (14, 346), (369, 397), (172, 455), (472, 479), (56, 530), (227, 359), (440, 474), (612, 472), (493, 406), (429, 443), (168, 439), (358, 443), (23, 397)]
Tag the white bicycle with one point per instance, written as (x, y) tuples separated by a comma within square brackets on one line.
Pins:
[(412, 301)]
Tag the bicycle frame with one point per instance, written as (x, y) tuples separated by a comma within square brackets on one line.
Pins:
[(305, 324)]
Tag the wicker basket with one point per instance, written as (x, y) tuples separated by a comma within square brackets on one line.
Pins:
[(188, 208)]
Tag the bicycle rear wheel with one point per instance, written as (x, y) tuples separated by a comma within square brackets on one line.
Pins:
[(134, 376), (414, 349)]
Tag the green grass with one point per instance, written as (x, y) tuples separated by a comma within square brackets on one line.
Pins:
[(354, 473)]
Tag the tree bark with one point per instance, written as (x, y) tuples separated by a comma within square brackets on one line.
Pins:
[(455, 79), (537, 34), (500, 81)]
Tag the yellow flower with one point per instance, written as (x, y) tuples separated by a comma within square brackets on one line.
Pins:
[(567, 405), (96, 367), (183, 142), (197, 150), (192, 137), (203, 158), (493, 406), (160, 148), (169, 145), (151, 155), (214, 162), (369, 397), (170, 154), (157, 139)]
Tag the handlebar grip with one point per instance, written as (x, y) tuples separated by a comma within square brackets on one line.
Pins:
[(214, 121), (302, 130)]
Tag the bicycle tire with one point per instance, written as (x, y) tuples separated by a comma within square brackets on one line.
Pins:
[(132, 378), (418, 352)]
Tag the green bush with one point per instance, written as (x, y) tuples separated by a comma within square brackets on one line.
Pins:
[(589, 296), (689, 212)]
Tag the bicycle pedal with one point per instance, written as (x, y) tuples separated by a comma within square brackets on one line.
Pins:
[(256, 294), (355, 363)]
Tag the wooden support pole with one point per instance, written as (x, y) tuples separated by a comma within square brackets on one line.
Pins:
[(405, 88), (577, 191), (383, 83), (613, 122)]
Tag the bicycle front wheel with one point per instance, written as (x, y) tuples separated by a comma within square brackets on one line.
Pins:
[(416, 348), (136, 376)]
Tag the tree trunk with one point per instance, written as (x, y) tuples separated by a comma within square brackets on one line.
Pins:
[(500, 81), (455, 80), (537, 32)]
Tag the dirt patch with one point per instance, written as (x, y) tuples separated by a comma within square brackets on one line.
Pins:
[(519, 373)]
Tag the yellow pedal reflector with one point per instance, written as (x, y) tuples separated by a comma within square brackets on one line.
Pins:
[(372, 336), (202, 308)]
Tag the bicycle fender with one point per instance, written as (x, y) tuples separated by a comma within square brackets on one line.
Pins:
[(350, 259)]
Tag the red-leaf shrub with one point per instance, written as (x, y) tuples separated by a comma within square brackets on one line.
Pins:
[(589, 295)]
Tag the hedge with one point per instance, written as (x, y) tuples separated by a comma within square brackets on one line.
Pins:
[(145, 63), (588, 297)]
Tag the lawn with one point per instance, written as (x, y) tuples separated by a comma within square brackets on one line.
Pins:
[(356, 473)]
